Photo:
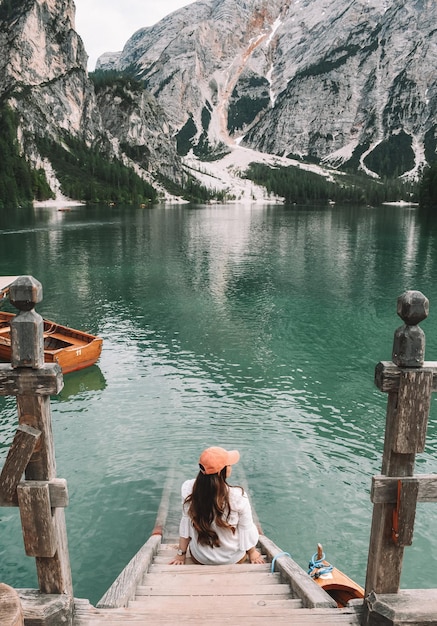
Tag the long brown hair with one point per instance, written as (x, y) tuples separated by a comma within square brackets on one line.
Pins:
[(209, 502)]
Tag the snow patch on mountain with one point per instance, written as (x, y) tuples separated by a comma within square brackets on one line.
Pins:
[(227, 174)]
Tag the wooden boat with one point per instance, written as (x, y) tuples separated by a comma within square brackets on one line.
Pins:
[(71, 349), (339, 586)]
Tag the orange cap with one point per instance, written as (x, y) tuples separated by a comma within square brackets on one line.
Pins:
[(213, 460)]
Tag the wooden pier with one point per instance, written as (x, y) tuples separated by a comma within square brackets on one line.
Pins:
[(149, 590), (229, 594)]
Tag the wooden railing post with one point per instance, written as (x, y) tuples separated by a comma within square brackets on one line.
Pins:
[(40, 497), (409, 383)]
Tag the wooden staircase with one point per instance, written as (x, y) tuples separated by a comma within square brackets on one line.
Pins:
[(196, 595)]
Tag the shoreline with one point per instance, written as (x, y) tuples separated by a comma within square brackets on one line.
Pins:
[(57, 203)]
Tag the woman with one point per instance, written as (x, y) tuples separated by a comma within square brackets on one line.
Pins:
[(217, 520)]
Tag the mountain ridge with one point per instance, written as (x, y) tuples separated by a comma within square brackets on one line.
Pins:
[(345, 84), (315, 78)]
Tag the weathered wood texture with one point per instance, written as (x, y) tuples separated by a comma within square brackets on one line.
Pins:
[(414, 401), (409, 382), (415, 607), (32, 382), (54, 573), (405, 513), (27, 340), (36, 519), (301, 584), (35, 411), (47, 381), (266, 615), (194, 595), (385, 488), (45, 609), (388, 375), (23, 445), (57, 489), (11, 613)]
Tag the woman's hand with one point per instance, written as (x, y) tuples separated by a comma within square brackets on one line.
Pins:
[(178, 560), (255, 556)]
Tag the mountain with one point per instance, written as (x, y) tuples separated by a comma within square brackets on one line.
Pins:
[(344, 82), (44, 80), (190, 102)]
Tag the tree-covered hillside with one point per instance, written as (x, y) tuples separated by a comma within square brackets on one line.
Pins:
[(19, 184)]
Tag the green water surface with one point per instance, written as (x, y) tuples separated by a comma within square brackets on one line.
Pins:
[(255, 328)]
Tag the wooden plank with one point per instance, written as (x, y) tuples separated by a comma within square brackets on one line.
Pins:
[(11, 613), (54, 574), (384, 488), (123, 588), (5, 281), (296, 617), (198, 606), (403, 525), (384, 563), (183, 620), (414, 400), (218, 570), (409, 606), (164, 559), (35, 411), (87, 615), (171, 579), (387, 375), (46, 609), (301, 584), (20, 452), (57, 490), (36, 519), (211, 589), (45, 381)]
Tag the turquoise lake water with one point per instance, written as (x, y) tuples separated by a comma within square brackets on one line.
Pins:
[(255, 328)]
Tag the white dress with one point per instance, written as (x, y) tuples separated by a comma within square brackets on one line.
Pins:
[(233, 545)]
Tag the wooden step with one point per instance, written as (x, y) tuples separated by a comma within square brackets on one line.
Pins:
[(234, 595), (88, 616), (165, 558), (222, 605), (176, 580), (204, 588), (218, 570)]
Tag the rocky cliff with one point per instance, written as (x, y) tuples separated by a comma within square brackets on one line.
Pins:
[(344, 81), (43, 77)]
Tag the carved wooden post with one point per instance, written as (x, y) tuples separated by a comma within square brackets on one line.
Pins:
[(40, 497), (409, 385)]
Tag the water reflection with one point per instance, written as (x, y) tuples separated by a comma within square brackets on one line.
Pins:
[(84, 381), (257, 328)]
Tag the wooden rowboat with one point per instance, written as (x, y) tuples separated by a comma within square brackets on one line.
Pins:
[(71, 349), (339, 586)]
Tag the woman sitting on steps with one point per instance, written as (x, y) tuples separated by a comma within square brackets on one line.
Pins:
[(217, 521)]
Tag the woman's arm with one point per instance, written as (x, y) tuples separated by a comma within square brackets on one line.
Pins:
[(249, 534), (179, 559)]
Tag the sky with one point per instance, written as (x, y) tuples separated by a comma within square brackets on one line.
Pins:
[(106, 25)]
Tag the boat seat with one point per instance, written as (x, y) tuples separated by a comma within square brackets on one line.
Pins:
[(64, 341)]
